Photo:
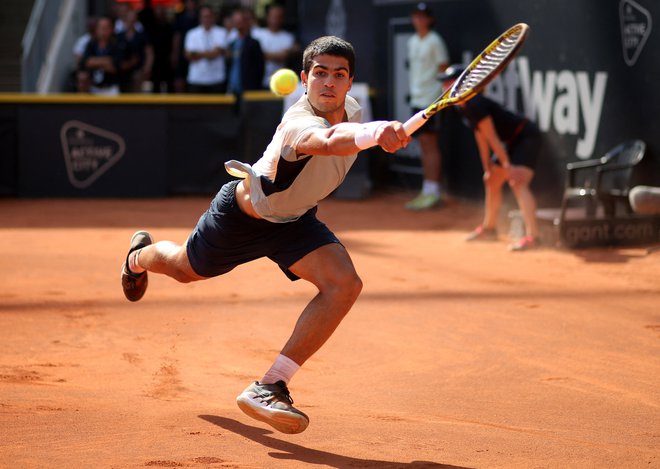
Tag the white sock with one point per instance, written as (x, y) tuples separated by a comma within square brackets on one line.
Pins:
[(282, 370), (133, 264), (430, 187)]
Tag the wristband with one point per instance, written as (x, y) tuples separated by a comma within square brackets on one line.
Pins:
[(365, 136)]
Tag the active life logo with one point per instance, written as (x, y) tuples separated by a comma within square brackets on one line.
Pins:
[(89, 152), (635, 29)]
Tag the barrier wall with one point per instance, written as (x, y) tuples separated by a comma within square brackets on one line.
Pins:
[(128, 146), (71, 145)]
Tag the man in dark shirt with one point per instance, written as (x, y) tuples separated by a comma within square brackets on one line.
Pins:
[(246, 60), (100, 65)]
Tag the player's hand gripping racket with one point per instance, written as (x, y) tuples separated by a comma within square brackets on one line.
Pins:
[(476, 76)]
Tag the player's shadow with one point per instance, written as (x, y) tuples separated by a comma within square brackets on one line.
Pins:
[(288, 450)]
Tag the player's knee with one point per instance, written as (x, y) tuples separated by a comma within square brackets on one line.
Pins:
[(181, 277), (347, 284), (493, 183)]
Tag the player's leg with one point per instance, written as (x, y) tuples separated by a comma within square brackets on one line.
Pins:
[(521, 177), (493, 195), (431, 160), (331, 270), (206, 249), (430, 194), (164, 257), (493, 184), (168, 258), (524, 153)]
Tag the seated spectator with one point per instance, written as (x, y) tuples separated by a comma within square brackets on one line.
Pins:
[(205, 47), (99, 67), (277, 44), (245, 58)]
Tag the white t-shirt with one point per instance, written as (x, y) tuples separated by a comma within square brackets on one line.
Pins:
[(273, 42), (80, 44), (283, 185), (425, 54), (206, 71)]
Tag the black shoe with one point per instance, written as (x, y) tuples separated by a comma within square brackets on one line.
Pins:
[(272, 403), (134, 285)]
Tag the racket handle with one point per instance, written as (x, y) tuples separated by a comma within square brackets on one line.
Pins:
[(414, 123)]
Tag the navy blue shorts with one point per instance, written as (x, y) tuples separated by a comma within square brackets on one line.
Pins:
[(524, 150), (225, 237)]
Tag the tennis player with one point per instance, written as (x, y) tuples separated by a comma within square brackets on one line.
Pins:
[(271, 212)]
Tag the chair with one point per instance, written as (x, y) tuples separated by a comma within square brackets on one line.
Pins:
[(604, 181)]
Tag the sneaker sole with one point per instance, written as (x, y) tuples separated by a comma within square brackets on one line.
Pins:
[(422, 209), (285, 422), (135, 235), (133, 246)]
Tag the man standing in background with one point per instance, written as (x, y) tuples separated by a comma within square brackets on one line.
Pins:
[(427, 57), (205, 48), (277, 44), (245, 59)]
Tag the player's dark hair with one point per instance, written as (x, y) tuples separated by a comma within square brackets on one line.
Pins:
[(329, 45)]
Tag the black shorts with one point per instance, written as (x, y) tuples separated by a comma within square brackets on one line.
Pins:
[(524, 150), (432, 123), (225, 237)]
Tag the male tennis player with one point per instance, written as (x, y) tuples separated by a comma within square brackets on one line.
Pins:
[(271, 212)]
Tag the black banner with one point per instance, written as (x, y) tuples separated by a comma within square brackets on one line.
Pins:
[(100, 151)]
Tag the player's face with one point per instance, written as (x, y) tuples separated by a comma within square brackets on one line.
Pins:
[(327, 83)]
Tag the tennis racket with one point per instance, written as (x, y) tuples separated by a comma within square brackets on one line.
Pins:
[(476, 76)]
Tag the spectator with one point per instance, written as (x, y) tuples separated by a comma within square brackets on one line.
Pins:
[(246, 60), (134, 51), (101, 62), (205, 47), (277, 44), (515, 142), (183, 22), (122, 9), (250, 17), (81, 43), (147, 17), (427, 56), (161, 34)]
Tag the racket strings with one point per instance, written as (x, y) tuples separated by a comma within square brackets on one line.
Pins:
[(489, 63)]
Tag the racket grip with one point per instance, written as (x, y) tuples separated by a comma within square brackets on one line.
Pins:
[(414, 123)]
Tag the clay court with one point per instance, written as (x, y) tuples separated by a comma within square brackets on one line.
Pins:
[(456, 355)]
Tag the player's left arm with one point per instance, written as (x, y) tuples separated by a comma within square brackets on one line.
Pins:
[(348, 138)]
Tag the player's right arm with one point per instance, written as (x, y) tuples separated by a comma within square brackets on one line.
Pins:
[(348, 138)]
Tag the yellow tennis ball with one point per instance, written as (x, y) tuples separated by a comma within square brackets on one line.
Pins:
[(283, 82)]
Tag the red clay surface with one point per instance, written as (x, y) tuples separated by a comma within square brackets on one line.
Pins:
[(456, 355)]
